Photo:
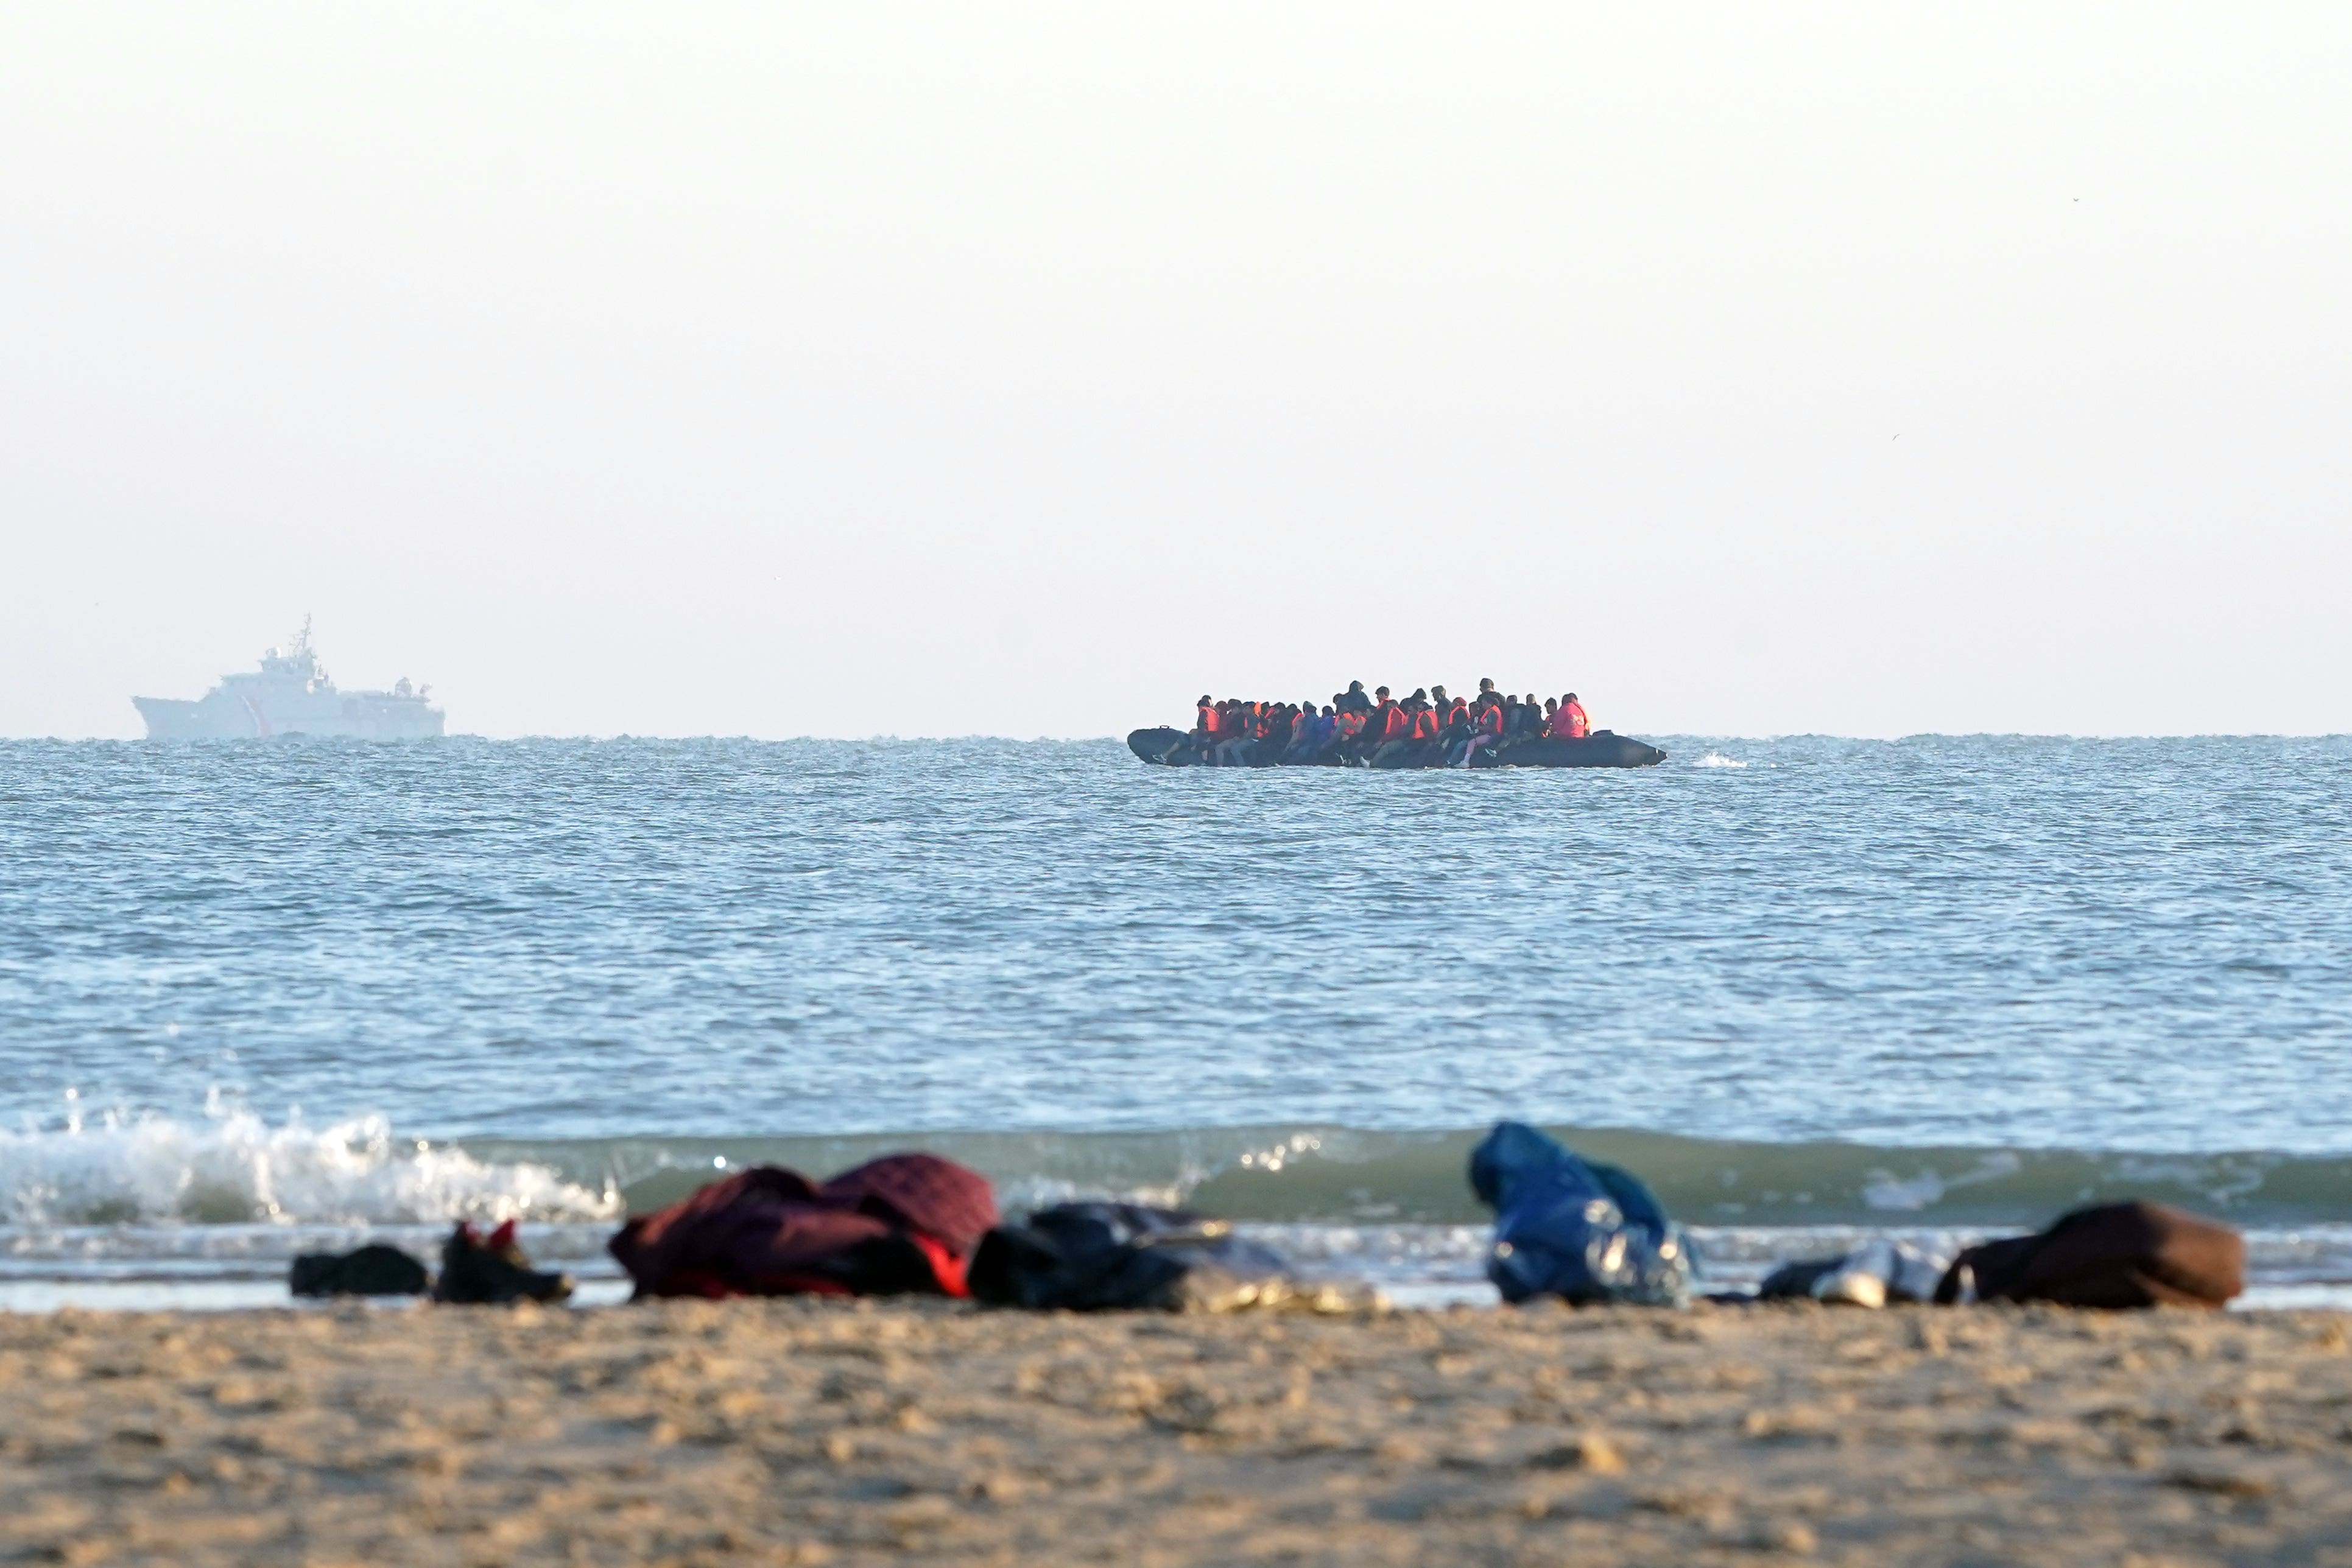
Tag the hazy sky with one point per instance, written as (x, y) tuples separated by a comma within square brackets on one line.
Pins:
[(1027, 370)]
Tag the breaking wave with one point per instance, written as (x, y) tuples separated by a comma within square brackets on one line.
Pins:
[(234, 1169), (1717, 759), (1325, 1174)]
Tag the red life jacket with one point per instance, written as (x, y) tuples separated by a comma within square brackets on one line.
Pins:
[(1490, 721), (1578, 727)]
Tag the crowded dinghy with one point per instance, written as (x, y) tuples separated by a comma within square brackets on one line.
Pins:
[(1427, 730)]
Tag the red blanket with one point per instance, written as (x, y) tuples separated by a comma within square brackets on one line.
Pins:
[(901, 1223)]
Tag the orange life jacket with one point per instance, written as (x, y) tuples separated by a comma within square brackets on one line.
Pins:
[(1208, 719), (1424, 725), (1350, 725), (1578, 727), (1490, 721)]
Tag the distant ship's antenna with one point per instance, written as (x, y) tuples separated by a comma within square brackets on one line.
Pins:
[(302, 638)]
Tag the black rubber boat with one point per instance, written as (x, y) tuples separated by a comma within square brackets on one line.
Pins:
[(1165, 747)]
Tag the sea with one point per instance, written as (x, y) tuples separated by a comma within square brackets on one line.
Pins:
[(262, 999)]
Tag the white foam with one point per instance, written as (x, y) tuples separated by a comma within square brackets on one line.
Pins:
[(1717, 759), (234, 1168), (1885, 1190)]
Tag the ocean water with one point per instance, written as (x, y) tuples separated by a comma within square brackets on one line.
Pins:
[(257, 997)]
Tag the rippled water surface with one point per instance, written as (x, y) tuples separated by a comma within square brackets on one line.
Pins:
[(1941, 983), (1982, 940)]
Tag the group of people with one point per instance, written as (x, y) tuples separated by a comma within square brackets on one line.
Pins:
[(1356, 730)]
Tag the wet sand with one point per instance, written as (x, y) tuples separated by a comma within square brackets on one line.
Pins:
[(821, 1432)]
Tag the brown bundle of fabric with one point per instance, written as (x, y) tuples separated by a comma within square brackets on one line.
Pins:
[(2116, 1255)]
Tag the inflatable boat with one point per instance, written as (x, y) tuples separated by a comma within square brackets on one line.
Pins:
[(1165, 747)]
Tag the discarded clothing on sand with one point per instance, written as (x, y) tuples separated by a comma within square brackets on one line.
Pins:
[(1573, 1227), (374, 1269), (901, 1224), (1872, 1275), (1091, 1257), (493, 1271), (2113, 1255)]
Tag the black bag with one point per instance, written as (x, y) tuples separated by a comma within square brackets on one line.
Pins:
[(1089, 1257), (371, 1271)]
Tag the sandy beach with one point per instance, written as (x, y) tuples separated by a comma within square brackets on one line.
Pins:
[(826, 1432)]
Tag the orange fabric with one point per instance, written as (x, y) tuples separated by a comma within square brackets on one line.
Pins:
[(1425, 725), (1578, 727), (946, 1266)]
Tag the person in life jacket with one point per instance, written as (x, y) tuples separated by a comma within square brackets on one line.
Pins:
[(1353, 728), (1453, 725), (1312, 735), (1570, 723), (1383, 722), (1423, 724), (1401, 725), (1503, 700), (1297, 723), (1267, 726), (1487, 728), (1354, 699), (1238, 736)]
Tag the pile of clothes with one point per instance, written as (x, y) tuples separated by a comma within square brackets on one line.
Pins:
[(2115, 1255), (1565, 1226), (1585, 1231), (902, 1225)]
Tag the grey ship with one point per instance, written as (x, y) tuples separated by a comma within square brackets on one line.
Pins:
[(291, 694)]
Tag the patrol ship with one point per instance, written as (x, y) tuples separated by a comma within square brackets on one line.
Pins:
[(291, 694)]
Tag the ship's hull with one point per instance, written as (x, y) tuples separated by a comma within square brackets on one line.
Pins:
[(1603, 749), (225, 716)]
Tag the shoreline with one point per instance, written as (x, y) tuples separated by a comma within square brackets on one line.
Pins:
[(803, 1431), (244, 1268)]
